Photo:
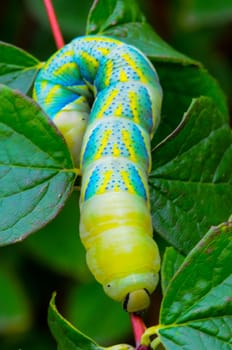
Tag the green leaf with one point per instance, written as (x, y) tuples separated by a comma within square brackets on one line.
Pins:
[(69, 337), (196, 312), (87, 301), (36, 171), (206, 334), (105, 14), (58, 244), (170, 264), (142, 36), (17, 67), (15, 315), (191, 180), (207, 293)]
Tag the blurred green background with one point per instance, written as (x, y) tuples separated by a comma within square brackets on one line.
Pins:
[(53, 259)]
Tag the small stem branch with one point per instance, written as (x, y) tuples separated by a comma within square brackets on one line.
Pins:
[(139, 328), (54, 23)]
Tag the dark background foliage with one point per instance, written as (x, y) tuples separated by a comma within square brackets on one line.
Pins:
[(32, 270)]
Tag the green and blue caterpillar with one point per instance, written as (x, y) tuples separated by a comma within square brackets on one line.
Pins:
[(105, 98)]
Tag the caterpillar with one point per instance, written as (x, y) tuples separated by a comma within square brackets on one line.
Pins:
[(105, 98)]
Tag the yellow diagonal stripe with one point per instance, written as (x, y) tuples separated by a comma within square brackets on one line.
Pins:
[(104, 141), (108, 72), (89, 58), (107, 177), (126, 180), (60, 71), (107, 104), (133, 65), (128, 143), (134, 106), (50, 95)]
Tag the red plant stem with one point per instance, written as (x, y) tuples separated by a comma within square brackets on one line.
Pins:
[(54, 24), (139, 328)]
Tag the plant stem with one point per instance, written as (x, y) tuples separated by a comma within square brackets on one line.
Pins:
[(139, 328), (54, 23)]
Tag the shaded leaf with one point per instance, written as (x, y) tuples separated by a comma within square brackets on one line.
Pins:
[(105, 14), (191, 180), (36, 171), (180, 85), (17, 67)]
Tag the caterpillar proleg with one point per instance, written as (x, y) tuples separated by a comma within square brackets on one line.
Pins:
[(105, 98)]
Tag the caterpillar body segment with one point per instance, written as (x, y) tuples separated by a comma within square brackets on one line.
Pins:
[(105, 98)]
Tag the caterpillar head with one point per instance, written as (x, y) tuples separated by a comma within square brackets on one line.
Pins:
[(133, 290), (137, 300)]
